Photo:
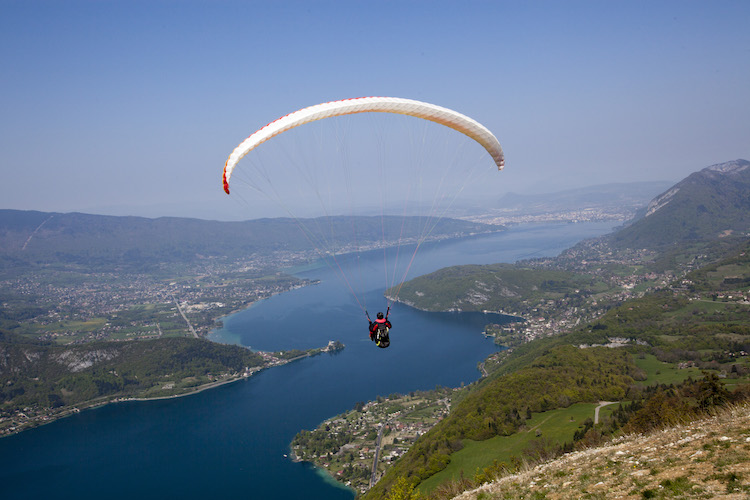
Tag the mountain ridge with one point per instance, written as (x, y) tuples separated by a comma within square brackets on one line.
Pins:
[(607, 194), (713, 202), (82, 238)]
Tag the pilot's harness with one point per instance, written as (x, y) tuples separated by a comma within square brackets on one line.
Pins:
[(381, 336)]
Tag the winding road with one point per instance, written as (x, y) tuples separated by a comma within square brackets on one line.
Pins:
[(602, 404)]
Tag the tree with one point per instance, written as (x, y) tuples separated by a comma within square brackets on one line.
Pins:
[(660, 410), (711, 392), (403, 489)]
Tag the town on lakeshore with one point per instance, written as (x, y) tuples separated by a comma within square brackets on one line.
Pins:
[(357, 447), (105, 305), (77, 305)]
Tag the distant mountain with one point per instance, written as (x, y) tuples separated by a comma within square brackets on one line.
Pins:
[(30, 236), (619, 202), (709, 204), (633, 194)]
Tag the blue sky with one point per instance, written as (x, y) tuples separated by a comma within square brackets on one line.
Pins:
[(132, 107)]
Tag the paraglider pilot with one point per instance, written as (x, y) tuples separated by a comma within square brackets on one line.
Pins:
[(379, 330)]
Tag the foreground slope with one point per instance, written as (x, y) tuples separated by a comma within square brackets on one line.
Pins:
[(709, 458)]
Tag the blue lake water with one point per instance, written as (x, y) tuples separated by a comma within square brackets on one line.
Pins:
[(232, 440)]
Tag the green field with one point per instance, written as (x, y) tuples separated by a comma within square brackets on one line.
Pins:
[(557, 425), (664, 373), (697, 309), (136, 321)]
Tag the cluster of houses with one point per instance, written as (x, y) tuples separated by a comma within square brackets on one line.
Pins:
[(352, 463)]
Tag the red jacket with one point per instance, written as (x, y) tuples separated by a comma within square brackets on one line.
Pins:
[(374, 325)]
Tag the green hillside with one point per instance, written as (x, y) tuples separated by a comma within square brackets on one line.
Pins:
[(39, 374), (562, 376), (708, 204), (40, 382), (496, 287)]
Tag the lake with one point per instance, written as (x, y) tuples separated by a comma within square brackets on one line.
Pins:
[(232, 440)]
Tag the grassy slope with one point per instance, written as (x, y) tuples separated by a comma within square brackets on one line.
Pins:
[(709, 458), (559, 424)]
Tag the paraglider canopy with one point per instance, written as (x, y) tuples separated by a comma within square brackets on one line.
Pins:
[(431, 112)]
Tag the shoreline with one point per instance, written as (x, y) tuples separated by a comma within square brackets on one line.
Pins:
[(103, 401), (248, 305), (196, 390), (94, 404), (458, 311)]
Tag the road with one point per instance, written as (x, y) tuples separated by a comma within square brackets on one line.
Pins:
[(192, 330), (602, 404), (377, 454), (373, 478)]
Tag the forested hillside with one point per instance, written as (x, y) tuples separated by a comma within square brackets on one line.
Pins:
[(708, 204), (497, 287), (499, 406), (38, 373), (40, 381)]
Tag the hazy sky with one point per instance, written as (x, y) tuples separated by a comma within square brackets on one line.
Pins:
[(132, 107)]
